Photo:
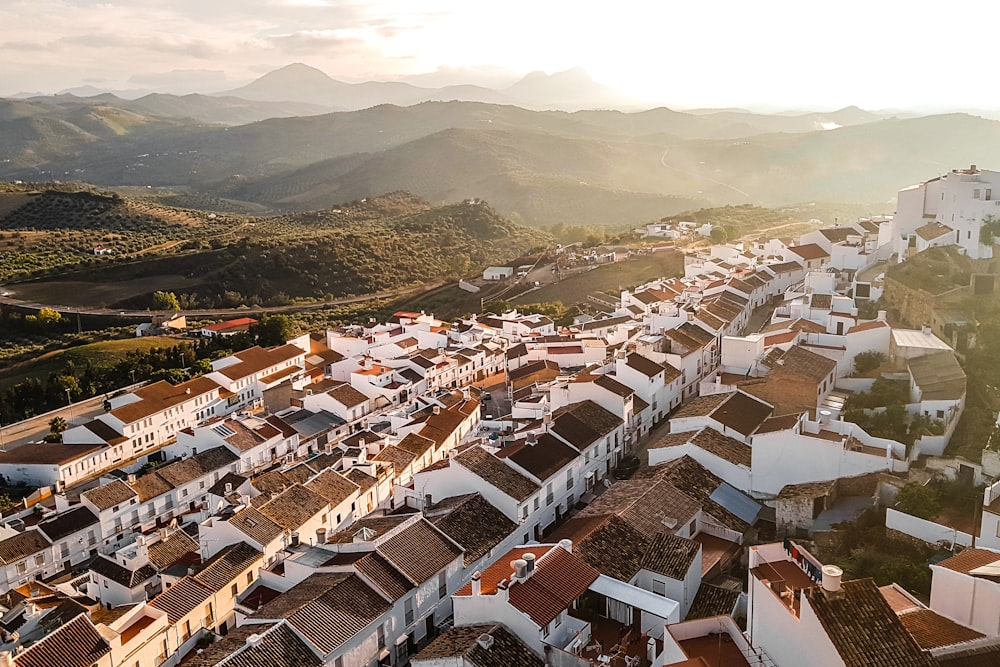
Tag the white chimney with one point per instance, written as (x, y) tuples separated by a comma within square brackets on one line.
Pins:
[(485, 640), (477, 583), (520, 567), (529, 558), (254, 639), (567, 545), (831, 578), (824, 416), (229, 488)]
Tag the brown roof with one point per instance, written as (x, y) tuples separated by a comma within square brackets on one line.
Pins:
[(107, 496), (612, 385), (607, 543), (164, 553), (646, 366), (48, 453), (332, 487), (581, 424), (698, 483), (256, 525), (384, 575), (862, 627), (670, 555), (293, 507), (809, 251), (278, 646), (506, 650), (114, 571), (256, 359), (150, 486), (649, 508), (712, 601), (419, 551), (742, 412), (782, 423), (931, 630), (399, 458), (801, 362), (933, 230), (415, 444), (105, 432), (377, 525), (970, 559), (181, 599), (361, 478), (497, 473), (701, 406), (975, 655), (347, 395), (159, 396), (224, 567), (558, 580), (76, 644), (472, 523), (723, 446), (542, 460), (327, 608), (66, 523)]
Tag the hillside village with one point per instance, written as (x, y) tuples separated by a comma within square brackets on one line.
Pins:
[(644, 487)]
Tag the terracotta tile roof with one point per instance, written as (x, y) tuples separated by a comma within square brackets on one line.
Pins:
[(121, 575), (712, 601), (256, 359), (611, 384), (347, 395), (506, 649), (648, 508), (66, 523), (399, 458), (741, 412), (383, 575), (933, 230), (150, 486), (278, 646), (581, 424), (415, 444), (256, 525), (670, 555), (985, 655), (607, 542), (293, 507), (199, 465), (48, 453), (419, 551), (542, 460), (177, 546), (931, 630), (809, 251), (377, 526), (105, 432), (361, 478), (224, 567), (472, 523), (868, 326), (970, 559), (327, 608), (782, 423), (558, 580), (701, 406), (159, 396), (181, 599), (234, 480), (497, 473), (22, 545), (696, 482), (784, 267), (332, 487), (862, 627), (723, 446), (76, 644), (939, 376)]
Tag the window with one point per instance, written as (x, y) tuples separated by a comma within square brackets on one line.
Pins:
[(569, 480), (442, 585), (548, 494), (338, 662), (39, 559), (408, 613), (989, 194), (22, 567), (380, 632), (537, 503), (234, 590), (249, 578), (975, 193), (186, 634)]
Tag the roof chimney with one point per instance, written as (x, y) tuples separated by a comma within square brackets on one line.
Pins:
[(295, 539), (485, 640), (529, 558), (229, 488), (436, 410), (477, 583), (254, 639), (567, 545), (520, 567)]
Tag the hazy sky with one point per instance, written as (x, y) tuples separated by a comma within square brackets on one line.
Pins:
[(778, 53)]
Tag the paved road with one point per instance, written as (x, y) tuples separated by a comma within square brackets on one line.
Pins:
[(6, 298), (36, 428)]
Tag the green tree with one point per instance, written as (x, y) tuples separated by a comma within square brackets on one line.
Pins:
[(718, 235), (918, 500), (165, 301), (274, 330), (57, 425), (865, 362)]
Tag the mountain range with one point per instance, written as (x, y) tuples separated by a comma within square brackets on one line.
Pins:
[(272, 143)]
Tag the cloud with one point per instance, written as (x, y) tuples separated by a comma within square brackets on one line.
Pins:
[(24, 46), (314, 41)]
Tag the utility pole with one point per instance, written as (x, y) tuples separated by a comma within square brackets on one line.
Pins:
[(69, 402)]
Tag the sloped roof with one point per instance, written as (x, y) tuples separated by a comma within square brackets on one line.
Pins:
[(542, 460), (581, 424), (419, 551), (670, 555), (607, 542), (472, 523), (506, 650), (76, 644), (108, 495), (278, 646), (939, 376), (497, 473)]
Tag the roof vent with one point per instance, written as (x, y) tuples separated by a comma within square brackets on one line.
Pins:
[(567, 545), (366, 534), (520, 567), (529, 558), (485, 640), (254, 639)]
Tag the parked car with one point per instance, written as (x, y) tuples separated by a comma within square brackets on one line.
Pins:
[(626, 467)]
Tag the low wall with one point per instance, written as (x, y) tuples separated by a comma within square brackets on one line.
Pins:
[(924, 530)]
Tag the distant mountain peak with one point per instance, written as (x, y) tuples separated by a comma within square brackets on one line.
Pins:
[(296, 73)]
